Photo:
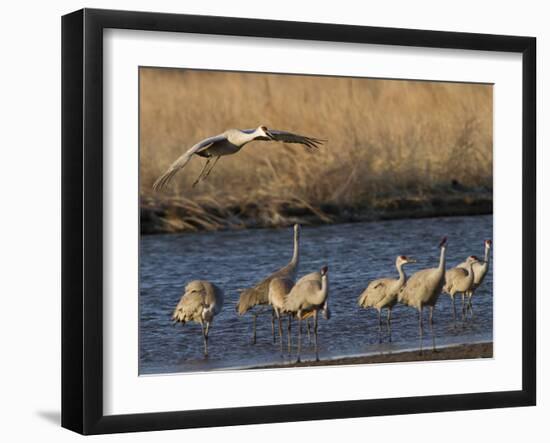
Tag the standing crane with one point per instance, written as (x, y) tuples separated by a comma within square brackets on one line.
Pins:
[(258, 295), (279, 288), (460, 280), (200, 302), (278, 293), (382, 293), (228, 143), (480, 271), (308, 297), (423, 289)]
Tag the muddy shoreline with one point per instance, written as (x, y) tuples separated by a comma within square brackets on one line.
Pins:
[(455, 352), (161, 214)]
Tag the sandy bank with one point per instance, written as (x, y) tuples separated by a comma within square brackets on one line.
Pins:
[(458, 352)]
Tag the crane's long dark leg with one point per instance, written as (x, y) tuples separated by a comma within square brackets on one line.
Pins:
[(315, 326), (289, 334), (205, 338), (464, 308), (207, 333), (379, 325), (210, 170), (388, 323), (432, 328), (299, 337), (421, 327), (280, 331), (254, 315), (308, 331), (470, 295), (273, 324), (454, 308), (202, 172)]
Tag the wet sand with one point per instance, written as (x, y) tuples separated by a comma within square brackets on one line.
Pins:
[(458, 352)]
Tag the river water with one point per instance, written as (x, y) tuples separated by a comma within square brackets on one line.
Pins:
[(355, 253)]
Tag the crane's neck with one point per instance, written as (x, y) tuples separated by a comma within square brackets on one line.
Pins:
[(256, 133), (471, 272), (402, 276), (241, 138), (296, 254), (319, 297), (487, 254), (441, 266)]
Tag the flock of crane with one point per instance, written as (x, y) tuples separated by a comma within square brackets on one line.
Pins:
[(307, 297)]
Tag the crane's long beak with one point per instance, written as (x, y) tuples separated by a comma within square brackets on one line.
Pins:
[(270, 135), (411, 260)]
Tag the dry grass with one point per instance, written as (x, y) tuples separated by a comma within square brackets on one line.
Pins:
[(385, 137)]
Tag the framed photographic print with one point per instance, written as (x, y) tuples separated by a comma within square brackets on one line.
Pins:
[(281, 212)]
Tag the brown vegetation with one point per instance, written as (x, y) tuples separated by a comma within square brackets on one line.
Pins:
[(391, 144)]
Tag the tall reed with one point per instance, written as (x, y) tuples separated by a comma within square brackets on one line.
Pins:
[(385, 137)]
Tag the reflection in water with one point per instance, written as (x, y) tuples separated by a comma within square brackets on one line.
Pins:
[(356, 254)]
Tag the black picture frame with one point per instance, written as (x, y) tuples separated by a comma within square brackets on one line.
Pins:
[(82, 219)]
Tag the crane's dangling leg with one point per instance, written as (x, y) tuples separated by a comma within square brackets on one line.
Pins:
[(254, 315), (202, 172), (299, 336), (388, 323), (289, 327), (432, 328), (315, 326), (421, 327), (210, 170)]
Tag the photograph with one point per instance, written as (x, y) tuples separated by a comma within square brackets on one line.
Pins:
[(296, 220)]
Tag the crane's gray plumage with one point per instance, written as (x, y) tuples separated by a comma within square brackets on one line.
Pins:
[(308, 296), (460, 280), (423, 289), (181, 161), (382, 292), (259, 294), (200, 302), (279, 288), (480, 271), (231, 142), (299, 300)]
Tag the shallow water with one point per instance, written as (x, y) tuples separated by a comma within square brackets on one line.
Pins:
[(355, 253)]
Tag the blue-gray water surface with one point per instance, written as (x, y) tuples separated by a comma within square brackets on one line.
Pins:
[(355, 253)]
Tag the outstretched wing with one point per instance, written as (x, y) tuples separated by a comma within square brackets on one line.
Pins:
[(311, 143), (163, 180)]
